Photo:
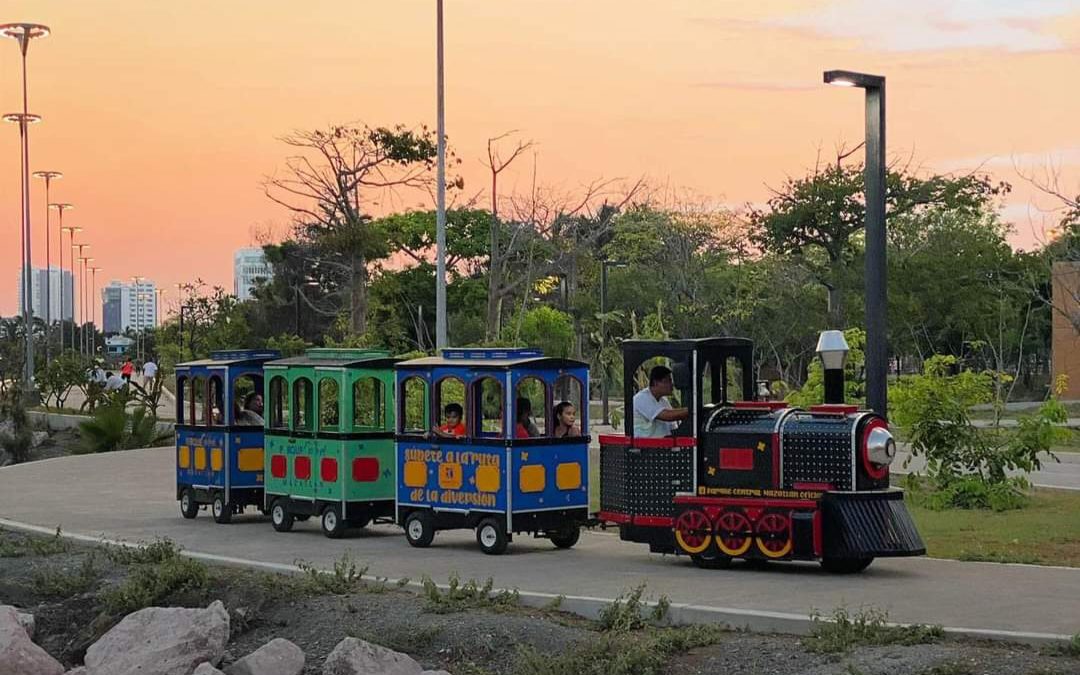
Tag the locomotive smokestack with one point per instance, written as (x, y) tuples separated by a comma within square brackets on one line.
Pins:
[(833, 350)]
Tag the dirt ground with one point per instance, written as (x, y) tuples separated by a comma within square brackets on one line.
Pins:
[(73, 592)]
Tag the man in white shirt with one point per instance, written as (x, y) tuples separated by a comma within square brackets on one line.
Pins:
[(149, 370), (653, 415), (114, 382)]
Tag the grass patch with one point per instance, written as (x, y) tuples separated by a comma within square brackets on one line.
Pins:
[(346, 577), (156, 552), (459, 597), (58, 583), (1046, 531), (1070, 648), (645, 651), (403, 638), (843, 631), (152, 584), (25, 545)]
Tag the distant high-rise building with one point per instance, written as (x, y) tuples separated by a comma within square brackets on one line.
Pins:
[(125, 306), (249, 269), (38, 279)]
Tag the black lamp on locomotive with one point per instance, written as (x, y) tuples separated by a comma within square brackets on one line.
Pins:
[(754, 480)]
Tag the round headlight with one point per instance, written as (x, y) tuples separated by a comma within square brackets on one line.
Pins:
[(880, 446)]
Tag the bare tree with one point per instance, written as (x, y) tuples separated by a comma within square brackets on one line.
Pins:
[(338, 176)]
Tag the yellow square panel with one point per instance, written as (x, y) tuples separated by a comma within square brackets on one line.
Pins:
[(487, 478), (249, 459), (568, 476), (217, 459), (416, 474), (531, 478), (450, 476), (200, 458), (183, 457)]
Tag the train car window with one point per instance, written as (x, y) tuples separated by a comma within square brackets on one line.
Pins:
[(216, 402), (279, 403), (329, 405), (488, 402), (569, 413), (197, 402), (181, 398), (733, 380), (531, 408), (413, 399), (247, 401), (712, 385), (449, 403), (301, 400), (368, 404)]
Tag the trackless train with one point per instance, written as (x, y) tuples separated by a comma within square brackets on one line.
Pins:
[(495, 440)]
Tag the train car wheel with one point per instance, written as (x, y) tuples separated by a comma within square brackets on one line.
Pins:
[(280, 517), (221, 509), (693, 531), (734, 533), (333, 525), (845, 565), (774, 535), (566, 537), (189, 508), (419, 529), (491, 536)]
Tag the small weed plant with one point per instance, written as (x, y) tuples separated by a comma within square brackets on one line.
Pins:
[(459, 597), (1070, 648), (58, 583), (628, 612), (152, 584), (346, 577), (406, 638), (20, 545), (869, 626), (153, 553)]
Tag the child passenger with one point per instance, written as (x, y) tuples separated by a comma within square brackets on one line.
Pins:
[(454, 426)]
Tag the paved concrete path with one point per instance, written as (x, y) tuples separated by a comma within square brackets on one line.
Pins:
[(1062, 475), (129, 495)]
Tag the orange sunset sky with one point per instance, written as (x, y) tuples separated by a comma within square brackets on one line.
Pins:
[(164, 116)]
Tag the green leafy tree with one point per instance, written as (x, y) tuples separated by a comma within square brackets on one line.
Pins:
[(813, 390), (113, 427), (60, 375), (543, 327), (288, 345)]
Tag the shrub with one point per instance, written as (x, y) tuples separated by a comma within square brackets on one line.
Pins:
[(843, 631), (112, 427), (346, 578), (57, 583), (150, 585), (18, 443), (628, 612), (459, 597), (157, 552)]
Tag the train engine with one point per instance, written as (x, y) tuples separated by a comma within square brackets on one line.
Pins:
[(750, 479)]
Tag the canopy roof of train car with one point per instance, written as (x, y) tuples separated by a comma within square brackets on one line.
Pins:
[(491, 357), (324, 357), (233, 357)]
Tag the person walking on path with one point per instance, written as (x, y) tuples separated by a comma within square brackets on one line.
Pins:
[(127, 370), (149, 370)]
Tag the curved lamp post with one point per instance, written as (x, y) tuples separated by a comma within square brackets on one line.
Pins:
[(49, 176), (60, 245)]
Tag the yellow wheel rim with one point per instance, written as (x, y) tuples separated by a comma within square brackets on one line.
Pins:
[(774, 554), (693, 550), (733, 552)]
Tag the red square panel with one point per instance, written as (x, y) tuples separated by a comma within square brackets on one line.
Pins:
[(737, 459), (365, 469), (278, 466), (302, 467), (328, 470)]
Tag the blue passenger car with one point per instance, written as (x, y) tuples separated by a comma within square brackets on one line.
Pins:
[(219, 433), (480, 445)]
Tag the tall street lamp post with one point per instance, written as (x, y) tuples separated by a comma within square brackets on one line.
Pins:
[(93, 310), (82, 297), (440, 211), (158, 292), (71, 236), (138, 315), (24, 34), (48, 176), (60, 208), (604, 266), (877, 353), (83, 338)]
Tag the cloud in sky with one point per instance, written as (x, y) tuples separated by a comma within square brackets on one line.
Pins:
[(931, 25)]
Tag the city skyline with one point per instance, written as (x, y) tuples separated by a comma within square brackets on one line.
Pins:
[(720, 100)]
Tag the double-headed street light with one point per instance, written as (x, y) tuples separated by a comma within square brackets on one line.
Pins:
[(604, 266), (48, 176), (877, 353), (60, 245), (24, 34)]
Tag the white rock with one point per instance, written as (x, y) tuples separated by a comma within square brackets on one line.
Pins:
[(81, 670), (353, 656), (161, 641), (26, 620), (38, 437), (207, 669), (18, 653), (277, 657)]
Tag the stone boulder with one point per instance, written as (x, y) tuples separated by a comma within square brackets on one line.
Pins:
[(81, 670), (18, 653), (353, 656), (207, 669), (26, 620), (277, 657), (161, 641)]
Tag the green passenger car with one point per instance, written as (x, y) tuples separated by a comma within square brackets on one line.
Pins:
[(329, 438)]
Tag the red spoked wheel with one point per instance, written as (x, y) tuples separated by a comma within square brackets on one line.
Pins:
[(734, 532), (774, 534), (693, 531)]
